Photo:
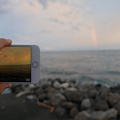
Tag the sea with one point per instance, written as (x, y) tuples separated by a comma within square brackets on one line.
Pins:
[(101, 66), (86, 66)]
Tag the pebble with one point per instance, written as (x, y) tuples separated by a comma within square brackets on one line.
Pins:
[(79, 100)]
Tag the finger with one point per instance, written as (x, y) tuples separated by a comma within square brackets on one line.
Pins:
[(3, 86), (4, 42)]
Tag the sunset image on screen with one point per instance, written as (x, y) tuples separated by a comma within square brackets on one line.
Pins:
[(15, 64)]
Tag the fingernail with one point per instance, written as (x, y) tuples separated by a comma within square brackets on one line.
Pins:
[(10, 85)]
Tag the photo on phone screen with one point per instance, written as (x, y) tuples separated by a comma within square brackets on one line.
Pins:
[(15, 64)]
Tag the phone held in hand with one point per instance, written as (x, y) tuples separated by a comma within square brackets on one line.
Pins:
[(20, 64)]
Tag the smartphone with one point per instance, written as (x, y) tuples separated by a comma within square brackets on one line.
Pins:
[(20, 64)]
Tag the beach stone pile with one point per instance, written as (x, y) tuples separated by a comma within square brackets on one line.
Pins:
[(78, 100)]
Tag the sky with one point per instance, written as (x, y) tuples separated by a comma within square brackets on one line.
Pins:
[(62, 25), (15, 56)]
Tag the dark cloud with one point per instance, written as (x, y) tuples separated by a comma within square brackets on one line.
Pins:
[(45, 31), (44, 3), (4, 6), (75, 28), (56, 20)]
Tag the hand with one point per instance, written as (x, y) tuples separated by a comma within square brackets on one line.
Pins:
[(4, 43)]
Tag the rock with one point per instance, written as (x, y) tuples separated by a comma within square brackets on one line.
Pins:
[(39, 91), (71, 89), (103, 93), (32, 97), (85, 104), (56, 85), (113, 99), (82, 116), (111, 114), (57, 99), (51, 93), (101, 105), (61, 90), (85, 86), (48, 102), (115, 89), (64, 85), (98, 115), (61, 112), (92, 93), (74, 111), (45, 85), (74, 85), (117, 107), (27, 92), (16, 89), (61, 80), (67, 105), (30, 86), (42, 97), (74, 96)]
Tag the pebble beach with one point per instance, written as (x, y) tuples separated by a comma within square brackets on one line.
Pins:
[(55, 99)]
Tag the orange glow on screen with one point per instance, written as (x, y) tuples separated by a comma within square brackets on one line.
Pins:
[(15, 56)]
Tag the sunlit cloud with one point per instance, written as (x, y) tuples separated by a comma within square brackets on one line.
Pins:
[(23, 38)]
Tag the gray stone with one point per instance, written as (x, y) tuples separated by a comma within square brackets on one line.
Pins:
[(64, 85), (23, 93), (61, 112), (51, 93), (92, 93), (98, 115), (32, 97), (74, 96), (85, 86), (48, 102), (58, 99), (115, 89), (67, 105), (71, 89), (103, 93), (74, 111), (42, 97), (117, 107), (44, 85), (101, 105), (82, 116), (56, 85), (111, 114), (85, 104), (31, 86), (113, 99), (38, 91)]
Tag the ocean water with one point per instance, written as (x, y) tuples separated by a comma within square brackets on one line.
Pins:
[(97, 66)]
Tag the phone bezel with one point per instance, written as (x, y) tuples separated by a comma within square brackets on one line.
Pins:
[(35, 57)]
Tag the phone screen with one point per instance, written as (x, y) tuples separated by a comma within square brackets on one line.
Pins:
[(15, 64)]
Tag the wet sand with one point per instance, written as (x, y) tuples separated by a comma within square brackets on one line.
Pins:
[(12, 108)]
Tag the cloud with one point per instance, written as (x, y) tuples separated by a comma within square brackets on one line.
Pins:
[(22, 38), (44, 3), (4, 6), (45, 31), (56, 20)]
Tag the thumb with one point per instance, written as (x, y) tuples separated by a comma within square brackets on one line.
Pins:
[(4, 42), (3, 86)]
